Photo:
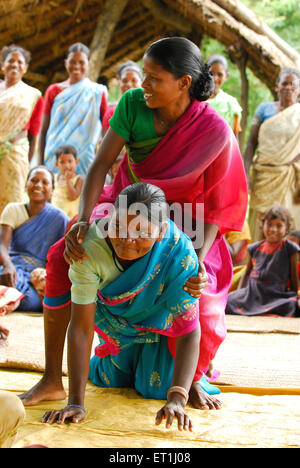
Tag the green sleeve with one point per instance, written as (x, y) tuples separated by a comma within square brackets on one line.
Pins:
[(121, 121), (85, 282)]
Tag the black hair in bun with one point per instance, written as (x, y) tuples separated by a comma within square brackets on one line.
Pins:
[(204, 86)]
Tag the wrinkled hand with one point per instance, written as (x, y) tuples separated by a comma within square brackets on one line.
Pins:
[(9, 276), (67, 414), (196, 284), (74, 237), (174, 409)]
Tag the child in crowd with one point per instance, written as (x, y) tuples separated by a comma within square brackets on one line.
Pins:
[(225, 104), (272, 263), (68, 184)]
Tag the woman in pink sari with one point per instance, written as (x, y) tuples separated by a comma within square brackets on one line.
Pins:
[(177, 142)]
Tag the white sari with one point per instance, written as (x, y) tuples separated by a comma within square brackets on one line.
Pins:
[(276, 168), (16, 106)]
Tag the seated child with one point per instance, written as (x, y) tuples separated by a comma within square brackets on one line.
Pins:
[(271, 264), (68, 184)]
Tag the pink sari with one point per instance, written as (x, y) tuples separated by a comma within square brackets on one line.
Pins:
[(198, 161)]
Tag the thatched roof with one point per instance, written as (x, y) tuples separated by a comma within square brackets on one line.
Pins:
[(48, 27)]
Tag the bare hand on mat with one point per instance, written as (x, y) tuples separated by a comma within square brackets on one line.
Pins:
[(174, 408), (67, 414)]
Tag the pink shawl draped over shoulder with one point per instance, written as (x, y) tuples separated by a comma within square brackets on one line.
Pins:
[(198, 161)]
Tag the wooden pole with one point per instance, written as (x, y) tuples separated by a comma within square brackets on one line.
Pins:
[(106, 24), (239, 56)]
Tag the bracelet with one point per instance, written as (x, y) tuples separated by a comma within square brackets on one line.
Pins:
[(181, 390), (77, 406)]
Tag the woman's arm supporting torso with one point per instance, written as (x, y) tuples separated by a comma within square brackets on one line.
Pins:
[(80, 339)]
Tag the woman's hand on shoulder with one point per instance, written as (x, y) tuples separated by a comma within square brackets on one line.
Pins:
[(196, 284), (174, 408), (73, 239)]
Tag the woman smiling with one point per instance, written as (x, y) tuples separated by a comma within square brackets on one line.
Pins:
[(21, 108), (26, 233), (73, 112)]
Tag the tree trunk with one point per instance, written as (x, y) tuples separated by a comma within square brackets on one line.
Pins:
[(106, 24), (240, 58)]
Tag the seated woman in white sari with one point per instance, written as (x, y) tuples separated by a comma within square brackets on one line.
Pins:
[(275, 134)]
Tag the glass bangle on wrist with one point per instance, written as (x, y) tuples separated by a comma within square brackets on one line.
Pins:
[(83, 222), (180, 390)]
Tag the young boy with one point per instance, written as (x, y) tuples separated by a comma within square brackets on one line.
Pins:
[(68, 184)]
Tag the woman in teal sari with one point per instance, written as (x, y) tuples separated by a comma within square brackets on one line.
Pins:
[(73, 113), (139, 267)]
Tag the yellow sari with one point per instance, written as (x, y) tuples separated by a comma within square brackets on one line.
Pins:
[(16, 105), (276, 170)]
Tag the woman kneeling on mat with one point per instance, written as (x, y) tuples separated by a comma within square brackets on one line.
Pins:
[(131, 290)]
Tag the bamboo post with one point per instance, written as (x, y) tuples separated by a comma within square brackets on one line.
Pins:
[(106, 24), (239, 56)]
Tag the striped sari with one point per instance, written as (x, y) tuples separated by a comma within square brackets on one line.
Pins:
[(16, 105)]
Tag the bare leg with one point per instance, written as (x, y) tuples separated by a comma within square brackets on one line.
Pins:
[(50, 387), (201, 400)]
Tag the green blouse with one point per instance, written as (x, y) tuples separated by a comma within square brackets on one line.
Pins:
[(133, 121), (227, 106), (96, 272)]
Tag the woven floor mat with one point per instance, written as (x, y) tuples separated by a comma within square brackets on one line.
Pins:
[(258, 351)]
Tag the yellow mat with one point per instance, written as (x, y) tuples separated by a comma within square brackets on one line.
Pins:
[(260, 383), (119, 418)]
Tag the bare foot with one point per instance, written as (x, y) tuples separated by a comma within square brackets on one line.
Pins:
[(44, 390), (201, 400)]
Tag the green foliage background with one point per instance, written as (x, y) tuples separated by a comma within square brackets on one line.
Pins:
[(283, 16)]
